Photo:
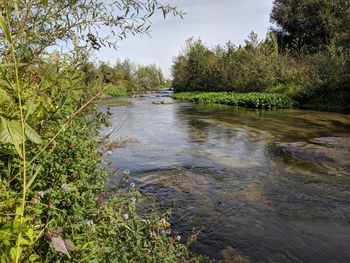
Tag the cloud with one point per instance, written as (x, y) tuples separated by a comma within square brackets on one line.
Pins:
[(214, 21)]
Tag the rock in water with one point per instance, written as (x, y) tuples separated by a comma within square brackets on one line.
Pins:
[(333, 152), (163, 102)]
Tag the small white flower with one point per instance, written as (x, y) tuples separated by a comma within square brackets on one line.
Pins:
[(93, 230), (90, 222), (132, 185), (65, 187), (178, 237), (109, 152), (133, 200), (41, 194), (126, 216), (126, 172)]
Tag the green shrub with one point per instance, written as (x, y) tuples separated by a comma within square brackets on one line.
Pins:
[(115, 90), (249, 100)]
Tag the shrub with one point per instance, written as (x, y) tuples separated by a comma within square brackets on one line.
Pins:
[(249, 100)]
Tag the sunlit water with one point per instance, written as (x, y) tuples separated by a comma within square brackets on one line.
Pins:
[(221, 169)]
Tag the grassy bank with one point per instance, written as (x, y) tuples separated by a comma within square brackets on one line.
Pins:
[(250, 100)]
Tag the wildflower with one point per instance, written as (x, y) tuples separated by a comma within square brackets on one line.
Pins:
[(109, 152), (93, 230), (90, 222), (126, 216), (41, 194), (126, 172), (133, 200), (178, 237), (163, 223), (65, 187), (132, 185)]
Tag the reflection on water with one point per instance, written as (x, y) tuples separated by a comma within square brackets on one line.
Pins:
[(221, 168)]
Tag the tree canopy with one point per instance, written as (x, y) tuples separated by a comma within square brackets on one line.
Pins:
[(311, 24)]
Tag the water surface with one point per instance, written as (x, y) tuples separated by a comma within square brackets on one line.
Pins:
[(222, 169)]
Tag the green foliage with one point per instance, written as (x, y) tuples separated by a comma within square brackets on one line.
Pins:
[(53, 202), (249, 100), (228, 68), (124, 78), (259, 67), (311, 25)]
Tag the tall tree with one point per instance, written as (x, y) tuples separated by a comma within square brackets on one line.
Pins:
[(311, 24)]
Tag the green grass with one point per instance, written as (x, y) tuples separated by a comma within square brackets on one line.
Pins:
[(250, 100)]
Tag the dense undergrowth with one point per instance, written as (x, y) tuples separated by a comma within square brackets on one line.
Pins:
[(53, 201), (67, 216), (250, 100)]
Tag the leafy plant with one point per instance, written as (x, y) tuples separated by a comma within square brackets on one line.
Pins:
[(249, 100)]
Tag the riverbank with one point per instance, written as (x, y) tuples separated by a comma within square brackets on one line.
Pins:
[(254, 100)]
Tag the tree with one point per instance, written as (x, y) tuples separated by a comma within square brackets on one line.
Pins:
[(36, 25), (311, 24)]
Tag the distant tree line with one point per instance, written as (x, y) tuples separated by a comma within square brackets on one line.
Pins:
[(306, 56), (124, 78)]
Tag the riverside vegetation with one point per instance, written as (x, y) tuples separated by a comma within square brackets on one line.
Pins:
[(53, 202), (250, 100), (306, 57), (124, 78)]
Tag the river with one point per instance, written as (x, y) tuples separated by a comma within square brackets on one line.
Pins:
[(223, 172)]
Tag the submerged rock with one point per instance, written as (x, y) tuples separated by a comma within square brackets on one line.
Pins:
[(333, 152), (163, 102)]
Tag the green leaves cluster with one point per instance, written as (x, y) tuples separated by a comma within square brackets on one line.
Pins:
[(312, 25), (250, 100)]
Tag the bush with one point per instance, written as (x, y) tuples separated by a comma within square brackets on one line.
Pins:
[(249, 100), (259, 67)]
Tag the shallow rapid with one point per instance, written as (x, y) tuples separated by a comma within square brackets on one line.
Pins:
[(229, 172)]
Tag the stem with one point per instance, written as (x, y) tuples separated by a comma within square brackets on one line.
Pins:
[(24, 161)]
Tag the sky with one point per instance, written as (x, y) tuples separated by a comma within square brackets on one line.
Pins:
[(214, 21)]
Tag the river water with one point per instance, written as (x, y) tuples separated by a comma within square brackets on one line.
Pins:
[(222, 171)]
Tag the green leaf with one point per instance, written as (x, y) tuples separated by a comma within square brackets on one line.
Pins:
[(31, 107), (31, 180), (30, 234), (69, 244), (5, 29), (15, 131), (11, 65), (32, 135), (10, 132)]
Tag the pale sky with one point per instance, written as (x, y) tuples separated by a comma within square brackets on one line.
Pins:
[(214, 21)]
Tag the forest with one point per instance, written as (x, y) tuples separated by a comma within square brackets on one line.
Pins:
[(124, 78), (304, 56)]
